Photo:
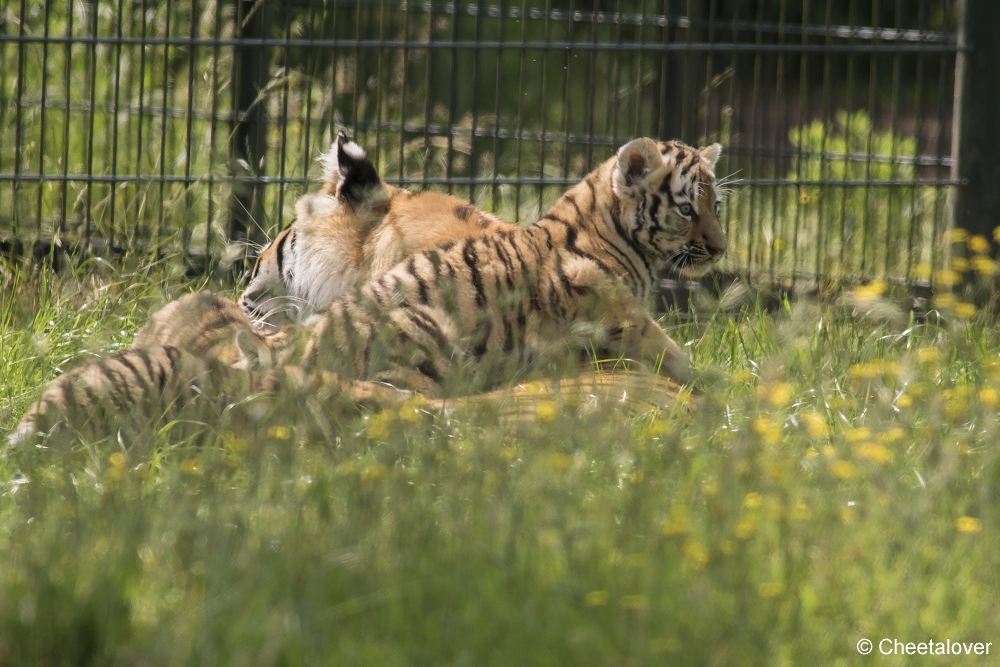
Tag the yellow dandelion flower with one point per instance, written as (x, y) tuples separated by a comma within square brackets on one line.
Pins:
[(920, 272), (927, 355), (904, 401), (117, 459), (857, 434), (892, 435), (944, 301), (947, 277), (989, 397), (959, 264), (842, 469), (596, 598), (996, 234), (801, 511), (535, 388), (871, 291), (379, 425), (409, 413), (633, 602), (710, 487), (780, 394), (678, 523), (508, 452), (816, 425), (658, 428), (546, 411), (770, 589), (968, 524), (746, 527), (697, 553), (752, 500), (956, 235), (847, 515), (873, 452), (978, 244), (190, 467), (114, 474), (742, 375), (984, 266), (828, 451), (637, 477), (768, 431), (778, 245), (964, 310), (234, 442), (954, 408), (374, 472), (865, 371), (280, 432)]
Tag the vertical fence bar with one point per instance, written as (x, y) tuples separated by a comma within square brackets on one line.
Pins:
[(976, 135), (249, 143)]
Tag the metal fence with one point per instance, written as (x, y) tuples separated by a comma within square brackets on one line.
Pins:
[(158, 126)]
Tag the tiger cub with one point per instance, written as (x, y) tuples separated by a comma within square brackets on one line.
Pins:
[(355, 227), (199, 345), (576, 279)]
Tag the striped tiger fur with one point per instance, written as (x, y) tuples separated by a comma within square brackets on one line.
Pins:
[(201, 346), (355, 227), (577, 279)]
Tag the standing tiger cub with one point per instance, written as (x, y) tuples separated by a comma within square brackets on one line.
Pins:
[(355, 227), (577, 279)]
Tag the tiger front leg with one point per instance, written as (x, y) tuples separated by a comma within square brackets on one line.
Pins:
[(651, 345), (641, 338)]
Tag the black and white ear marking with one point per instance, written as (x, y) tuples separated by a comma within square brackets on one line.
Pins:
[(348, 169)]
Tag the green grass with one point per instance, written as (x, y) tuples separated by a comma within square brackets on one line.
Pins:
[(837, 480)]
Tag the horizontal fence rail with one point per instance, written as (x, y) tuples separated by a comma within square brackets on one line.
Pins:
[(162, 127)]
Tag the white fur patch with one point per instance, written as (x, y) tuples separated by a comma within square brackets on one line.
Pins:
[(355, 151), (331, 172)]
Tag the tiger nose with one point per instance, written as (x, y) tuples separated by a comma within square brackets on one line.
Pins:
[(716, 248)]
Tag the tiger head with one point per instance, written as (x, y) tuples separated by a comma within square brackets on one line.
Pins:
[(669, 203), (314, 261)]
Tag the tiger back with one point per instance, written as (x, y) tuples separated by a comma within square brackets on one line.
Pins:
[(355, 227), (577, 279)]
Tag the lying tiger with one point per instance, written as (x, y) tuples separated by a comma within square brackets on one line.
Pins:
[(486, 308)]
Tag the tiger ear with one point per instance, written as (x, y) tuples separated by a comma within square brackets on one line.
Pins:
[(348, 171), (711, 154), (636, 159), (256, 355)]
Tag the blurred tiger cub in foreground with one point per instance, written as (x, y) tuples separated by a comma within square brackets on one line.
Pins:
[(355, 227), (199, 345), (577, 279)]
